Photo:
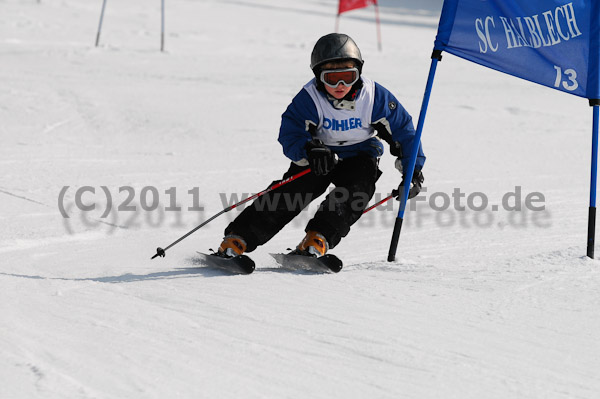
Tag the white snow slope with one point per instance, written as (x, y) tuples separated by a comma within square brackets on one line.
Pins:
[(479, 304)]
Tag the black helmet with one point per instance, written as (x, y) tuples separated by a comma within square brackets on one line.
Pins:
[(332, 47)]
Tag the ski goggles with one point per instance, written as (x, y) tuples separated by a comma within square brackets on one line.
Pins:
[(333, 77)]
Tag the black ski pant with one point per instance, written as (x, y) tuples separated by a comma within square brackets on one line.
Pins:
[(354, 179)]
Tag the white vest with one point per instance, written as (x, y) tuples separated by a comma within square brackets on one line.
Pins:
[(341, 127)]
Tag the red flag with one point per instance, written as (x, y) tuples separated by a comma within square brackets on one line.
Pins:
[(347, 5)]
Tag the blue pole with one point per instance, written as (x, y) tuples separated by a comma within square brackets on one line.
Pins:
[(435, 58), (594, 178)]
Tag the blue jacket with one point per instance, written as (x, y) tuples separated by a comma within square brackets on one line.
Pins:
[(294, 134)]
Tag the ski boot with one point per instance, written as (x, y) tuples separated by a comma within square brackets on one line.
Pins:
[(231, 246), (313, 244)]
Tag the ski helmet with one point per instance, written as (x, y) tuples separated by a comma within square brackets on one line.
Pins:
[(332, 47)]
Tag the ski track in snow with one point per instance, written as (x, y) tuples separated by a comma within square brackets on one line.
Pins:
[(470, 309)]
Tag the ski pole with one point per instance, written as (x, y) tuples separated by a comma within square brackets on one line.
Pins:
[(161, 252), (383, 201)]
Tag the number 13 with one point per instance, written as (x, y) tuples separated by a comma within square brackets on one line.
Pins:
[(570, 74)]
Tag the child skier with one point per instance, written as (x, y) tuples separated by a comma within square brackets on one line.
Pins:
[(331, 128)]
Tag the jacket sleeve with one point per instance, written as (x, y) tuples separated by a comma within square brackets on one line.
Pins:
[(394, 123), (295, 121)]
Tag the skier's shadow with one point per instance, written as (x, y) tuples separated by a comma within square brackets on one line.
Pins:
[(181, 272), (197, 268)]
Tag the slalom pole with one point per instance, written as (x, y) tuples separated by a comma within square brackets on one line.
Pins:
[(594, 177), (100, 24), (378, 24), (435, 58), (162, 26), (161, 252)]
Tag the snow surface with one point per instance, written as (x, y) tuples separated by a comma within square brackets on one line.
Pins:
[(478, 305)]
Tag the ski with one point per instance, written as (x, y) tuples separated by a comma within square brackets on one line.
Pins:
[(326, 264), (240, 264)]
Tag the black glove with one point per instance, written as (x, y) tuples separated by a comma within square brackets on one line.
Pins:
[(320, 158), (396, 149), (416, 184)]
